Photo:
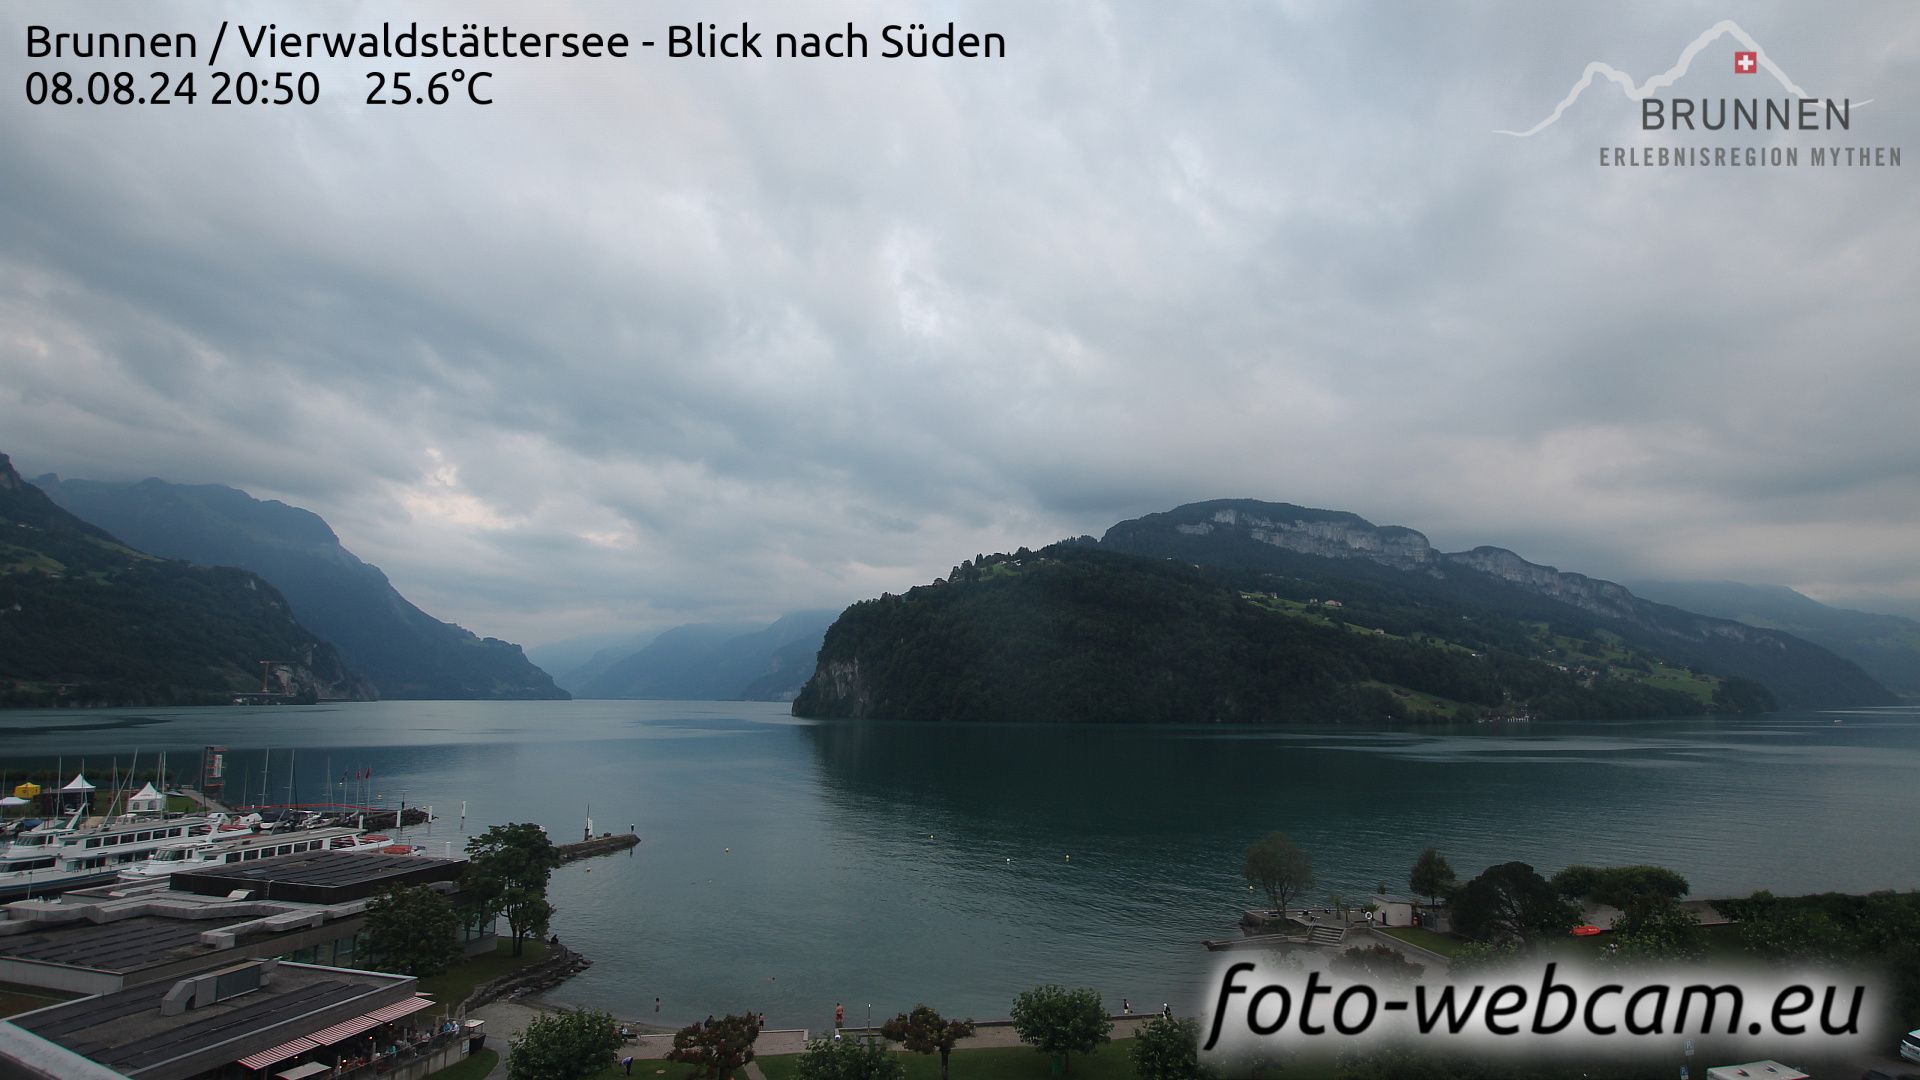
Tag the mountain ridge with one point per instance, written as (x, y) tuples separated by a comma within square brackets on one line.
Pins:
[(405, 652), (87, 620)]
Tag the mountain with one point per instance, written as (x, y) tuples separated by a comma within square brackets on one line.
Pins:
[(1249, 612), (1886, 647), (713, 662), (405, 652), (1337, 548), (86, 620), (574, 659)]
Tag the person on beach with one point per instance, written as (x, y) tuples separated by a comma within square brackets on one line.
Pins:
[(1126, 1007), (656, 1004), (1166, 1010), (839, 1016)]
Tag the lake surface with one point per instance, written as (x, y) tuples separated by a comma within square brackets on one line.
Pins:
[(788, 865)]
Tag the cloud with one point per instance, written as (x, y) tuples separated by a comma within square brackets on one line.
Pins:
[(655, 341)]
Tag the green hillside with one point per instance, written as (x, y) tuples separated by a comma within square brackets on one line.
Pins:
[(87, 620), (1074, 633), (405, 652)]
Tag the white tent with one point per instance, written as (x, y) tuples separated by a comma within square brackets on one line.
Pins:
[(147, 800), (79, 784)]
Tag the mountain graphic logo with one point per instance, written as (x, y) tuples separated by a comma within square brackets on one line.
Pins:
[(1749, 60)]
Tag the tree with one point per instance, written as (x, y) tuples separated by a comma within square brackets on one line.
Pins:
[(566, 1045), (924, 1031), (848, 1059), (413, 930), (1656, 928), (507, 871), (1431, 876), (1510, 902), (1060, 1021), (1376, 963), (1278, 866), (719, 1047), (1168, 1049), (1619, 886)]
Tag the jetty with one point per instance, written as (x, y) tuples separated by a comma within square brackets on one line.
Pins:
[(604, 844)]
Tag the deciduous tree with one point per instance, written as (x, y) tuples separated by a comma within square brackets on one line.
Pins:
[(1278, 866), (507, 872), (1431, 876), (719, 1047), (849, 1059), (925, 1031), (413, 930), (1510, 902), (566, 1045), (1056, 1020), (1165, 1048)]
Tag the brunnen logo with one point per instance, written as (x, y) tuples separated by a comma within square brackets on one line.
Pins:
[(1784, 115)]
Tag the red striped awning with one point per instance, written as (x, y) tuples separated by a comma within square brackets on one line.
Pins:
[(402, 1008), (279, 1053), (345, 1029)]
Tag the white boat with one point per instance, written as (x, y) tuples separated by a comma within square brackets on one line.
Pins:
[(74, 853), (226, 849)]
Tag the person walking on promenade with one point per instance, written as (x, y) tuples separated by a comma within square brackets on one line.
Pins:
[(839, 1016)]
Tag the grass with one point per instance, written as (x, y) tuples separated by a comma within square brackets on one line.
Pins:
[(471, 1068), (459, 981), (1444, 944), (1110, 1062)]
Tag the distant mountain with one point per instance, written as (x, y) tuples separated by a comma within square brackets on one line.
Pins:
[(405, 652), (1248, 612), (86, 620), (1335, 548), (1886, 647), (714, 662), (572, 659)]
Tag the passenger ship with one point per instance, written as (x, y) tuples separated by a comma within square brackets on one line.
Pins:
[(222, 850), (67, 854)]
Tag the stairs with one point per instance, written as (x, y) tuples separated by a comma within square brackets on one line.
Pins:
[(1330, 936)]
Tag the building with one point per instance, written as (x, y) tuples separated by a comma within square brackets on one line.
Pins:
[(237, 971)]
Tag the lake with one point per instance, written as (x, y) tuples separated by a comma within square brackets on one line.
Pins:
[(787, 865)]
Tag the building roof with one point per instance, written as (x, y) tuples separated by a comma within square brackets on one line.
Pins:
[(320, 877), (128, 1030), (119, 947)]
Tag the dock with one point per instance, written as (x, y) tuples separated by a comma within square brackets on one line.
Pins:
[(604, 844)]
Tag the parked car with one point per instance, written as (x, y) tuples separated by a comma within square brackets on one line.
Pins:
[(1910, 1046)]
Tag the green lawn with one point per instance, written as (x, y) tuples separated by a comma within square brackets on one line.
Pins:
[(1110, 1062), (472, 1068), (1444, 944), (453, 987)]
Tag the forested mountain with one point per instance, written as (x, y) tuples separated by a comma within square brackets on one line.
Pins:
[(1250, 612), (1330, 550), (405, 652), (713, 662), (88, 620), (1886, 647)]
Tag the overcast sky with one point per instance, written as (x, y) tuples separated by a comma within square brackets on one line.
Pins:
[(657, 341)]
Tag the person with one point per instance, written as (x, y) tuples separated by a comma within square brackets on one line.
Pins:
[(839, 1016), (626, 1064), (1126, 1007), (656, 1004), (1369, 916), (1166, 1010)]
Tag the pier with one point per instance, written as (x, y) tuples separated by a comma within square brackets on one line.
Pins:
[(604, 844)]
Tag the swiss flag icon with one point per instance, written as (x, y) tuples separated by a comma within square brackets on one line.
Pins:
[(1746, 63)]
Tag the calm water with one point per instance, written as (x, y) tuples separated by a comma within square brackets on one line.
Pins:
[(892, 864)]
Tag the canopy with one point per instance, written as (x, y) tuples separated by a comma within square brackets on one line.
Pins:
[(147, 798), (13, 800), (79, 783), (27, 790)]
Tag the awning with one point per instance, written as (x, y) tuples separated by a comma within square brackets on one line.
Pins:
[(279, 1053), (345, 1029), (301, 1072), (399, 1009)]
